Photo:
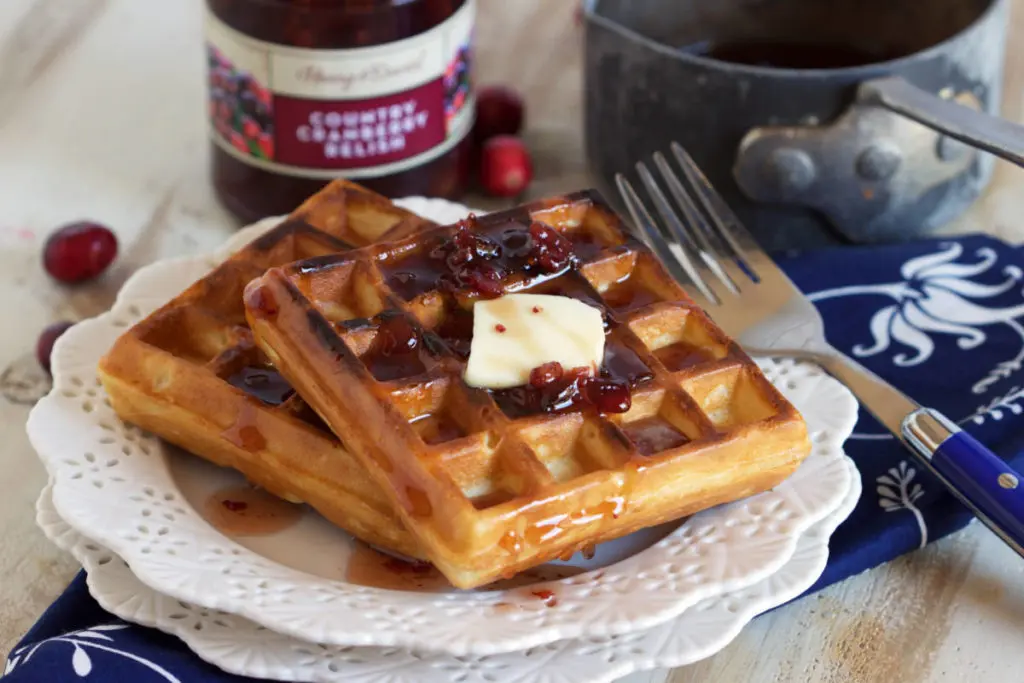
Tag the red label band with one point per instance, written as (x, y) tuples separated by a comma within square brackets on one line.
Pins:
[(360, 134)]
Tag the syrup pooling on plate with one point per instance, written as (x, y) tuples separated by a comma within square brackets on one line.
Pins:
[(370, 567), (244, 433), (248, 511)]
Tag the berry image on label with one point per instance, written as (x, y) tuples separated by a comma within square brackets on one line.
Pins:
[(241, 108)]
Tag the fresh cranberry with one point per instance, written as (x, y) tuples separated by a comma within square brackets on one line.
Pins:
[(79, 251), (499, 111), (546, 374), (607, 395), (49, 336), (505, 166), (235, 505)]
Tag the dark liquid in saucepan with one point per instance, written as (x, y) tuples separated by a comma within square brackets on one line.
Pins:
[(787, 55)]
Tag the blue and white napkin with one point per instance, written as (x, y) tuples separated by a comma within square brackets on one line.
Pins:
[(941, 319)]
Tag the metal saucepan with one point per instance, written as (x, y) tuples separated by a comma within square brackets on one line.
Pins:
[(839, 150)]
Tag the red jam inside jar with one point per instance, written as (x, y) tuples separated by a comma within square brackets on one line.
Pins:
[(305, 91)]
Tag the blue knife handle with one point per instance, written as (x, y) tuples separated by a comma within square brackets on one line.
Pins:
[(993, 490)]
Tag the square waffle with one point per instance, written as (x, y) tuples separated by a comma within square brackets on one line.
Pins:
[(494, 481), (191, 374)]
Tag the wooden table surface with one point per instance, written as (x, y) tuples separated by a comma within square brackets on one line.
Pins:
[(101, 116)]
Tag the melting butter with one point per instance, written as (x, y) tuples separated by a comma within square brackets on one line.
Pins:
[(516, 333)]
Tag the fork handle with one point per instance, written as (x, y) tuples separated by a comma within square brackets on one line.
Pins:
[(989, 487), (979, 478)]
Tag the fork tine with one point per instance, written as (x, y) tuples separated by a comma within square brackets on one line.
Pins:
[(643, 220), (725, 268), (687, 252), (728, 225)]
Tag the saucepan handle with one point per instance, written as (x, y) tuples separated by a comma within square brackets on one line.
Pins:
[(989, 133)]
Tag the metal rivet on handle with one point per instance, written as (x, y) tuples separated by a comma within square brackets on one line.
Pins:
[(879, 162), (792, 170), (1008, 481)]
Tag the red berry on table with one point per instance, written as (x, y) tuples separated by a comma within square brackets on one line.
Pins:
[(499, 111), (79, 251), (505, 167), (48, 337)]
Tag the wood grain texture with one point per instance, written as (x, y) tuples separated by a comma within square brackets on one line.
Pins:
[(101, 116)]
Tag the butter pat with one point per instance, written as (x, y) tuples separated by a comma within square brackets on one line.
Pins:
[(516, 333)]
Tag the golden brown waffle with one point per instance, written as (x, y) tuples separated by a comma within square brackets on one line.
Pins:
[(489, 482), (191, 374)]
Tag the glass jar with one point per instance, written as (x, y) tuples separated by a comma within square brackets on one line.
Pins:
[(304, 91)]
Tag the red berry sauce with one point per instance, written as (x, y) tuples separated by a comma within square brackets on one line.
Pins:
[(552, 389), (479, 262)]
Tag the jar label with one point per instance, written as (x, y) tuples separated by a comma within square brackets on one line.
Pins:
[(361, 112)]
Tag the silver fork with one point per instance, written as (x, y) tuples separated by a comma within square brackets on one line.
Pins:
[(747, 294)]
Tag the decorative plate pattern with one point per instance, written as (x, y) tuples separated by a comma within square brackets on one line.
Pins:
[(242, 647), (117, 485)]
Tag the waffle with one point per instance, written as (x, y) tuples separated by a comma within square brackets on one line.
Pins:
[(191, 374), (493, 482)]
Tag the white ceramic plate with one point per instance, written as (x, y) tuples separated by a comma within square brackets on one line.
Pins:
[(242, 647), (125, 489)]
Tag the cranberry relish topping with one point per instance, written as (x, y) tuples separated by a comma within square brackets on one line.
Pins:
[(478, 258), (554, 389), (479, 262)]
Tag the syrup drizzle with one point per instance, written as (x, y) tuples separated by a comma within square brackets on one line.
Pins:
[(247, 511), (682, 355), (653, 435), (244, 433), (476, 258), (435, 429), (370, 567), (263, 383), (628, 294), (398, 351)]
